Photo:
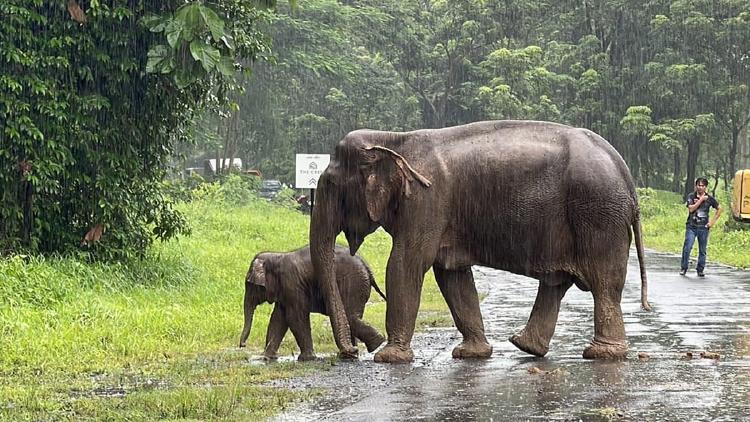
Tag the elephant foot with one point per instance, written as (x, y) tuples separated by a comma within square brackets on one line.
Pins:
[(472, 350), (528, 344), (306, 357), (270, 357), (349, 353), (394, 354), (374, 343), (599, 349)]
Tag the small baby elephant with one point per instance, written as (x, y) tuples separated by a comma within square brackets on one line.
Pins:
[(287, 279)]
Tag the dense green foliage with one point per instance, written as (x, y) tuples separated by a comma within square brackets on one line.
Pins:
[(666, 82), (91, 106)]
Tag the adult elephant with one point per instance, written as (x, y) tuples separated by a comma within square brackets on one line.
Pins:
[(539, 199)]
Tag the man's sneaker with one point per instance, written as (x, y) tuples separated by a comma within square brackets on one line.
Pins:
[(700, 274), (683, 271)]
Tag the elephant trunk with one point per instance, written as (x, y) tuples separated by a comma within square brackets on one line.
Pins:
[(324, 226), (249, 307)]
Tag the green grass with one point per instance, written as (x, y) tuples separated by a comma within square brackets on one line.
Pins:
[(157, 339), (664, 216)]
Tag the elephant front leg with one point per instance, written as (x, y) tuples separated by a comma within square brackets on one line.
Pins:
[(534, 338), (277, 328), (609, 329), (403, 284), (460, 294)]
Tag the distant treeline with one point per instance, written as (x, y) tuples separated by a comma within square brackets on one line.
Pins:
[(666, 82)]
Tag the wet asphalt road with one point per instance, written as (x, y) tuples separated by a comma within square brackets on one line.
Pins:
[(690, 315)]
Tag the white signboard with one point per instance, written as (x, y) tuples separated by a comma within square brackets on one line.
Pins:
[(309, 168)]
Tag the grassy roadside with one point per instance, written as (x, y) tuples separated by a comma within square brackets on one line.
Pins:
[(157, 339), (664, 215)]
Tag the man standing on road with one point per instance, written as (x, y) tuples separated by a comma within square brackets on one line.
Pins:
[(699, 204)]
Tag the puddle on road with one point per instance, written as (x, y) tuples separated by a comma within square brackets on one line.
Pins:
[(260, 360), (106, 386)]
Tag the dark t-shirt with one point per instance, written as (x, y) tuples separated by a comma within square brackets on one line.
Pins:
[(699, 218)]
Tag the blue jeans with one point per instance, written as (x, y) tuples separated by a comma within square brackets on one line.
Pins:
[(691, 233)]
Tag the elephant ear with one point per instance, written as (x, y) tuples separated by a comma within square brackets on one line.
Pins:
[(387, 174), (380, 184), (271, 278), (257, 273)]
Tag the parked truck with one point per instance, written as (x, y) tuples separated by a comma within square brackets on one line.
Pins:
[(741, 196)]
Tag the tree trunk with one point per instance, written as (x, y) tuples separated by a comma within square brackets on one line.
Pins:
[(637, 163), (646, 166), (26, 199), (677, 174), (717, 177), (218, 162), (743, 150), (694, 147), (430, 114), (733, 151), (28, 214)]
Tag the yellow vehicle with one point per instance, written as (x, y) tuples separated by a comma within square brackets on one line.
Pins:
[(741, 196)]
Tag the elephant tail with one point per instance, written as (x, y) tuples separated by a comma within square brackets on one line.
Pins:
[(641, 262), (374, 284)]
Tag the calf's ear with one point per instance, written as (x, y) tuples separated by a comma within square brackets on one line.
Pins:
[(256, 274), (272, 275)]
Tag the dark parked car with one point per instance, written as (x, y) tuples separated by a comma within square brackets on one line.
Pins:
[(269, 188)]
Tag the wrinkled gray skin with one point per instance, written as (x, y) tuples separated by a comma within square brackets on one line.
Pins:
[(539, 199), (287, 279)]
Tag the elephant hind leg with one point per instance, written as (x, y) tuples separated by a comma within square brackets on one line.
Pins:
[(534, 338), (369, 335), (460, 293), (609, 329), (360, 329)]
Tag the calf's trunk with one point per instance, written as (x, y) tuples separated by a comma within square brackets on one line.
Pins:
[(249, 312)]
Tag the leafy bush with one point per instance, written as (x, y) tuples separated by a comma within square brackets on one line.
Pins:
[(180, 190), (239, 190), (233, 189), (732, 225), (86, 128), (285, 198)]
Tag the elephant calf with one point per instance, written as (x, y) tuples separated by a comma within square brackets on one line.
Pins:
[(288, 281)]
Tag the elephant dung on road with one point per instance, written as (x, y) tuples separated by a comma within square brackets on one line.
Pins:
[(540, 199), (288, 281)]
